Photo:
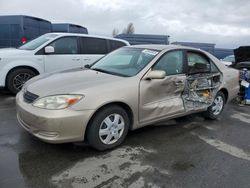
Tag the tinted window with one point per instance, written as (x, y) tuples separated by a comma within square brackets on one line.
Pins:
[(94, 46), (115, 44), (171, 63), (65, 45)]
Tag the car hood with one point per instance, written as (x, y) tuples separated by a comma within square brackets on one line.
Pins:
[(73, 81), (242, 54), (12, 52)]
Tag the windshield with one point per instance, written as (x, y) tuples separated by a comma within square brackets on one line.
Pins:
[(32, 45), (125, 61)]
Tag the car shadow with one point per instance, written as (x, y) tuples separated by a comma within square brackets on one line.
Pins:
[(5, 92)]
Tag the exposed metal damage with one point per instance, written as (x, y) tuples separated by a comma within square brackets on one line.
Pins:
[(200, 90)]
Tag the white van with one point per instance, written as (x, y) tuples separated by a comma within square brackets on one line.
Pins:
[(52, 52)]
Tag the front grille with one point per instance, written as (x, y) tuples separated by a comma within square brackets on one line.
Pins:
[(29, 97)]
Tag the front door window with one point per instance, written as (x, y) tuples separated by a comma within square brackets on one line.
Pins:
[(171, 63), (65, 45)]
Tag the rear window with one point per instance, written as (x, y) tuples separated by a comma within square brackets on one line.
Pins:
[(198, 63), (194, 58)]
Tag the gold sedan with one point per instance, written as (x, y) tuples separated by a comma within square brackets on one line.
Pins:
[(127, 89)]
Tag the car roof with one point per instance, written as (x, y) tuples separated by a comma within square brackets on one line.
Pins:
[(160, 47), (87, 35)]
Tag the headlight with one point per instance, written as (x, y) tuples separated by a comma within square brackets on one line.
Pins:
[(57, 102)]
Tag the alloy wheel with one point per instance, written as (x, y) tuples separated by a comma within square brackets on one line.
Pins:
[(20, 79), (217, 105), (111, 129)]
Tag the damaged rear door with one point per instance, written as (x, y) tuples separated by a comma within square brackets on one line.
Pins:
[(202, 83), (163, 97)]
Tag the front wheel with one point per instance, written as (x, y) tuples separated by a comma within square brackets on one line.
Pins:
[(17, 77), (214, 111), (108, 128)]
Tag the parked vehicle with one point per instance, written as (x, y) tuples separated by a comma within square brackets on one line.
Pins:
[(221, 53), (16, 30), (52, 52), (228, 60), (129, 88), (242, 58), (69, 28)]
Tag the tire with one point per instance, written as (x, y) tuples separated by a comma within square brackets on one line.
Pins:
[(99, 131), (213, 112), (17, 77)]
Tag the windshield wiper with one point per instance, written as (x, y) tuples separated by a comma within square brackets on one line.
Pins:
[(107, 72), (101, 70), (87, 66)]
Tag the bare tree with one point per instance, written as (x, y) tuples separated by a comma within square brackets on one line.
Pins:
[(115, 32), (130, 29)]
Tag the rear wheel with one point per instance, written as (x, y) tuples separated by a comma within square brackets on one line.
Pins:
[(108, 128), (17, 77), (214, 111)]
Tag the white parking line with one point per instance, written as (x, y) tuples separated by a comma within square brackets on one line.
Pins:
[(209, 127), (242, 117), (224, 147), (190, 125), (193, 124)]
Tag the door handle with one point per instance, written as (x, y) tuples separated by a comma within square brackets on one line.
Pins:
[(87, 59), (76, 59)]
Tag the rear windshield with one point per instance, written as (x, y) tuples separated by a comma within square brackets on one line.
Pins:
[(32, 45)]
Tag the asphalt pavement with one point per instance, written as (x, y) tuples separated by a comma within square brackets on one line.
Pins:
[(187, 152)]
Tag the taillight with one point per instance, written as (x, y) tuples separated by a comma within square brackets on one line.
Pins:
[(23, 40)]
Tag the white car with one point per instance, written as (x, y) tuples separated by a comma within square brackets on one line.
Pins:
[(52, 52)]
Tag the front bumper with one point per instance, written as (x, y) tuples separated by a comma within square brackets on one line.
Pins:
[(52, 126)]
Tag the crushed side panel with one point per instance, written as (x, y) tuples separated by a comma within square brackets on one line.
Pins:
[(200, 90), (161, 97)]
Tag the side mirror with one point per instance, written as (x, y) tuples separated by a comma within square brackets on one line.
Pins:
[(156, 74), (49, 50)]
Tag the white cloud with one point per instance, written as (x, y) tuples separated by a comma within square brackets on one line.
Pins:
[(103, 4), (225, 22)]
